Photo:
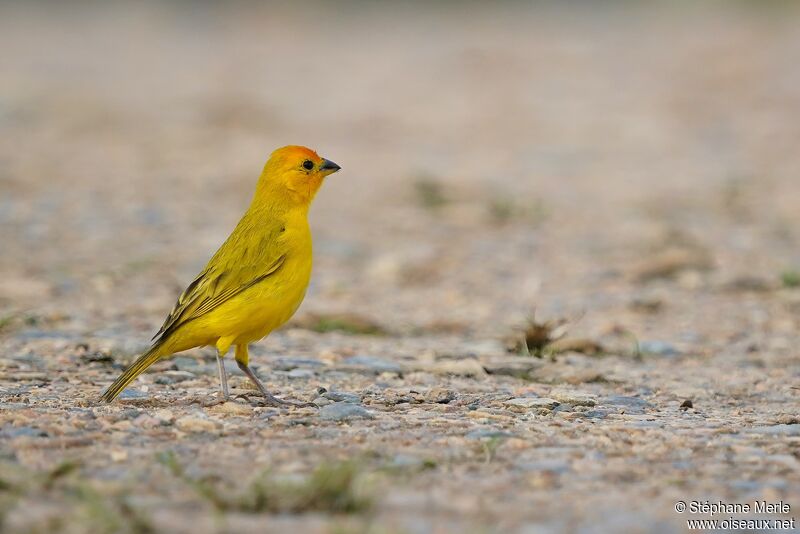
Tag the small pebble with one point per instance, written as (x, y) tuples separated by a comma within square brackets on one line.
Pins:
[(532, 402), (231, 408), (658, 348), (576, 399), (131, 394), (195, 424), (301, 373), (372, 364), (440, 395)]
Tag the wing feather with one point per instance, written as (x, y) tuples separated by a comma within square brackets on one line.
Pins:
[(220, 281)]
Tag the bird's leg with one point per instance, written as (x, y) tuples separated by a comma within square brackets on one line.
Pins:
[(223, 377), (242, 359)]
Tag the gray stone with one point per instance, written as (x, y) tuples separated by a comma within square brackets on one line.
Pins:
[(35, 334), (518, 367), (483, 347), (644, 424), (341, 396), (185, 363), (658, 348), (22, 431), (440, 395), (576, 399), (130, 394), (465, 367), (406, 461), (301, 373), (595, 414), (344, 411), (632, 405), (372, 364), (173, 377), (532, 402), (288, 364)]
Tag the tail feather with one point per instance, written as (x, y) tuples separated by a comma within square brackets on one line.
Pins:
[(135, 369)]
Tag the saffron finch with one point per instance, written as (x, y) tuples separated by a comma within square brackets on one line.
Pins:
[(255, 281)]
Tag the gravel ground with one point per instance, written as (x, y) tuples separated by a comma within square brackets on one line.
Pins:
[(556, 287)]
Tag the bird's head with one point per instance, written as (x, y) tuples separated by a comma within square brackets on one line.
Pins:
[(294, 172)]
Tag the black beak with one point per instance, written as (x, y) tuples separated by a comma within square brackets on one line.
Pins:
[(328, 165)]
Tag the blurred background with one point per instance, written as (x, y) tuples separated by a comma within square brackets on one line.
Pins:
[(494, 156), (630, 169)]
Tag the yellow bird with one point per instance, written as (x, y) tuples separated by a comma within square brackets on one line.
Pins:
[(255, 281)]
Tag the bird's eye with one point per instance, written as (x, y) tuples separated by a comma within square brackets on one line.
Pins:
[(308, 164)]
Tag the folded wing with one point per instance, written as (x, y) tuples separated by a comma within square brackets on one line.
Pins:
[(219, 282)]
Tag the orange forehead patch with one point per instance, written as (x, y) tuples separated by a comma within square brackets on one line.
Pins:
[(295, 152)]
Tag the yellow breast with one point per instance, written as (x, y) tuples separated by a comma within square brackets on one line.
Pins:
[(260, 309)]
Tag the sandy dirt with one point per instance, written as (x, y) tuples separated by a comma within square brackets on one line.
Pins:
[(555, 287)]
